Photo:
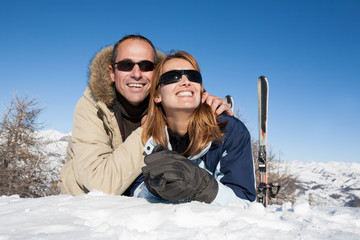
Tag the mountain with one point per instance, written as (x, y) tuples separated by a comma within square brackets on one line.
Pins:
[(329, 184)]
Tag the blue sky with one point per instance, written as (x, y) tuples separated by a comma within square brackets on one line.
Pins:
[(308, 50)]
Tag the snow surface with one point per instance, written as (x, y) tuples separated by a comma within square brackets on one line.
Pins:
[(328, 187), (100, 216)]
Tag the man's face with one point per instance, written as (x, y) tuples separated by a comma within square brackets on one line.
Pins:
[(134, 85)]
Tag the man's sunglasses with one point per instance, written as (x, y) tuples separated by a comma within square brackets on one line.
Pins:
[(128, 65), (174, 76)]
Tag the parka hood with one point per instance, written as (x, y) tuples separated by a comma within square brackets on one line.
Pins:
[(99, 78)]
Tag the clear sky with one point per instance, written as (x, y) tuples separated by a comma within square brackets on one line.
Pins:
[(308, 50)]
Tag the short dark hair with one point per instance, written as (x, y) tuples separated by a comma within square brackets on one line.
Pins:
[(131, 36)]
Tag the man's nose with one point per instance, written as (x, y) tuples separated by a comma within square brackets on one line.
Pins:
[(136, 73)]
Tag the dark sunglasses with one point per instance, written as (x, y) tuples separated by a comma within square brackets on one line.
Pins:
[(128, 65), (174, 76)]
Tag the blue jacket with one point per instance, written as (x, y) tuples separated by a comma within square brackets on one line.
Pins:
[(230, 162)]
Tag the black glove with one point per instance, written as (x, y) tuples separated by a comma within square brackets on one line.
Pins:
[(173, 177)]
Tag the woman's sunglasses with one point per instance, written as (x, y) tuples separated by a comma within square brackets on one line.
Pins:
[(128, 65), (174, 76)]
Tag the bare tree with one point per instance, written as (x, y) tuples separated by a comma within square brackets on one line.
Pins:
[(23, 161)]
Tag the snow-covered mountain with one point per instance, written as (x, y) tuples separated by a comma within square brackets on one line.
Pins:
[(328, 184), (55, 145)]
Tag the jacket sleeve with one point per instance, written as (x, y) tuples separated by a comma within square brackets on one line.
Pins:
[(98, 165), (235, 169)]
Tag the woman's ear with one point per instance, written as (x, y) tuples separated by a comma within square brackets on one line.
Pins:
[(157, 99)]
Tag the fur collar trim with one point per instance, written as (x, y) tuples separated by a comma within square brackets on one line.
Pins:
[(99, 78)]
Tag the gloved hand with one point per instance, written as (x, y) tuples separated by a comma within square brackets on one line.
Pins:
[(173, 177)]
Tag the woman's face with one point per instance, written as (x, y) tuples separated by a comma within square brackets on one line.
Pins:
[(181, 96)]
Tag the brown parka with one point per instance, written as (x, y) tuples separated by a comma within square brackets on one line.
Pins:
[(97, 158)]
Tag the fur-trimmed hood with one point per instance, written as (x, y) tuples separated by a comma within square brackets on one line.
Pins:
[(99, 78)]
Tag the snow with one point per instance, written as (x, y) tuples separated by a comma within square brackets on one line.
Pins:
[(328, 184), (320, 211), (51, 135), (100, 216)]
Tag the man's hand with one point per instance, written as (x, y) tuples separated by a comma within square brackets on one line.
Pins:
[(173, 177), (217, 104)]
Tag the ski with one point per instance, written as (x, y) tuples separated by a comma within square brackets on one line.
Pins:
[(263, 96), (265, 190)]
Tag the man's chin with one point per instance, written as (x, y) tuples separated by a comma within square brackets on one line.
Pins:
[(136, 101)]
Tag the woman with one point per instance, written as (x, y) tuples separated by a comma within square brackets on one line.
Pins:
[(191, 154)]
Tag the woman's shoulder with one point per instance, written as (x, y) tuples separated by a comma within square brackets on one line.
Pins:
[(235, 128), (232, 122)]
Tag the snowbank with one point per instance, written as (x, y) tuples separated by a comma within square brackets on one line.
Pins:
[(100, 216)]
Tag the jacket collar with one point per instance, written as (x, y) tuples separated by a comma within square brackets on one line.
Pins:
[(150, 144)]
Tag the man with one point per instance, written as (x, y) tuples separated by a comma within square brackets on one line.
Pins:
[(106, 152)]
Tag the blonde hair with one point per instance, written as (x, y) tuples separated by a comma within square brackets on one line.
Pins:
[(203, 126)]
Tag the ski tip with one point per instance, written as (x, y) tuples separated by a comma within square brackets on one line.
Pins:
[(262, 77), (230, 101)]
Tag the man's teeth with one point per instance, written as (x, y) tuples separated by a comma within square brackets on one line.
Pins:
[(185, 94), (136, 85)]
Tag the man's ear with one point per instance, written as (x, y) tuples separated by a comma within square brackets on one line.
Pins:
[(111, 73)]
